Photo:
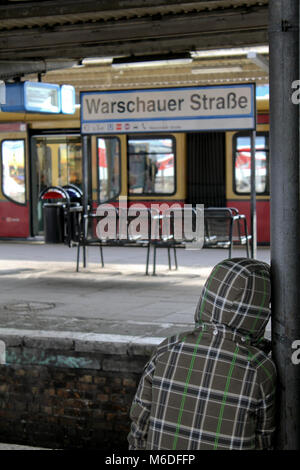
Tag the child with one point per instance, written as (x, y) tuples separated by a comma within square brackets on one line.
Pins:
[(213, 387)]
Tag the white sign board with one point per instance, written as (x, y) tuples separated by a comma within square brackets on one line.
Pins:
[(226, 107)]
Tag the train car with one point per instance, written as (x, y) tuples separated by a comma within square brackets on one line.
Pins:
[(210, 168), (238, 172)]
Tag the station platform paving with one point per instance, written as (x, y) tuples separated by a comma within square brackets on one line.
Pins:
[(43, 296), (41, 290)]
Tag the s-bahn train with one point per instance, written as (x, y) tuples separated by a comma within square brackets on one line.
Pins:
[(210, 168)]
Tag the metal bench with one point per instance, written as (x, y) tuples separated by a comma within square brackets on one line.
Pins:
[(224, 227), (119, 232), (174, 232)]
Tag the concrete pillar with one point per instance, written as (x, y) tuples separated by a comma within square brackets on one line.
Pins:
[(285, 226)]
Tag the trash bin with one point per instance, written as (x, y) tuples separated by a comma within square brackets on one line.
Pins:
[(73, 213), (54, 213), (75, 193), (54, 222)]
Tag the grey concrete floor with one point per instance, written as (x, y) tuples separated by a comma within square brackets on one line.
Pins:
[(41, 290)]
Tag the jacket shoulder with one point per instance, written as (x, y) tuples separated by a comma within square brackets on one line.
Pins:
[(264, 366), (169, 343)]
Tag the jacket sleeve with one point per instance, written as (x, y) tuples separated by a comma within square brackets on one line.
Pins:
[(140, 410), (266, 415)]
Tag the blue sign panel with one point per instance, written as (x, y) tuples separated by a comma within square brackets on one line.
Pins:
[(38, 97), (33, 97)]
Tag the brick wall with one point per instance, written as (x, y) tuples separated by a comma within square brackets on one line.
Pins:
[(69, 391)]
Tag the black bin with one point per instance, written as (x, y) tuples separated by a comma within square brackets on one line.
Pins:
[(54, 213), (73, 213), (54, 222)]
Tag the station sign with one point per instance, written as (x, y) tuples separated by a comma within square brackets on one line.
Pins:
[(209, 108), (39, 97)]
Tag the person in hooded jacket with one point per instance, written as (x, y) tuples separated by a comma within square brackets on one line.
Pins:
[(213, 387)]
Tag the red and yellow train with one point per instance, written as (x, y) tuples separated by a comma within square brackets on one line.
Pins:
[(210, 168)]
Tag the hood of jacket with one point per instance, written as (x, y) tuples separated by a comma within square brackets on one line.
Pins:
[(237, 294)]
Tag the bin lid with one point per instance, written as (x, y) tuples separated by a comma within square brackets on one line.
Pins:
[(74, 192), (54, 192)]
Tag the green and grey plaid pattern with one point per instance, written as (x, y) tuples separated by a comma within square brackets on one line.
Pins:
[(212, 388)]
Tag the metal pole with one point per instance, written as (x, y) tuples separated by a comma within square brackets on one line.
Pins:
[(285, 233), (85, 172), (85, 189), (253, 197)]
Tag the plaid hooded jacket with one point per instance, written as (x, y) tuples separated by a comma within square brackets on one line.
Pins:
[(213, 387)]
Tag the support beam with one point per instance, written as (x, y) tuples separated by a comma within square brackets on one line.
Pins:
[(120, 8), (175, 44), (9, 69), (285, 217), (129, 36)]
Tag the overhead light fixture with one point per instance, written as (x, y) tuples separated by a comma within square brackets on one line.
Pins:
[(97, 61), (235, 51), (212, 70), (93, 61), (151, 61)]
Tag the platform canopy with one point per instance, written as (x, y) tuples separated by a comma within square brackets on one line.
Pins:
[(213, 41)]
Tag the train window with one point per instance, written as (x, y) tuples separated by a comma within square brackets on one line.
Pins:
[(69, 161), (13, 170), (151, 165), (43, 165), (109, 168), (58, 160), (242, 163)]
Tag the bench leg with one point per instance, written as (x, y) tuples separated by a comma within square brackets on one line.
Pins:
[(169, 258), (230, 238), (84, 256), (247, 248), (154, 260), (175, 258), (147, 260), (101, 256), (78, 256)]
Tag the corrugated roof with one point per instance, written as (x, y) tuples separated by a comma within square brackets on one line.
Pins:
[(73, 29), (30, 15)]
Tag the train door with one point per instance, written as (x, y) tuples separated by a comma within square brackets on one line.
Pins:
[(55, 160), (14, 200), (206, 168), (239, 178)]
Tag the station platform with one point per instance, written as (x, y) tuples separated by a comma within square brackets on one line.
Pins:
[(52, 315), (42, 292)]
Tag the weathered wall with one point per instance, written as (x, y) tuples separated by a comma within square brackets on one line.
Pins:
[(69, 390)]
